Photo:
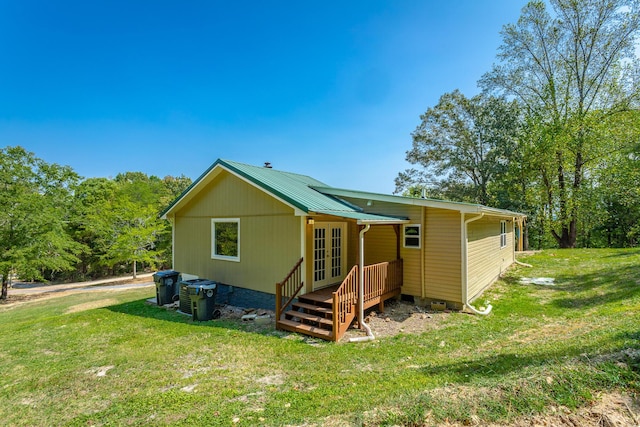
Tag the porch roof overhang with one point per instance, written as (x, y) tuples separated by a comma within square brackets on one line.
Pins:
[(464, 208), (363, 218)]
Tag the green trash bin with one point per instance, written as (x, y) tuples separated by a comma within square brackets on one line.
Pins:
[(166, 286), (203, 299), (185, 300)]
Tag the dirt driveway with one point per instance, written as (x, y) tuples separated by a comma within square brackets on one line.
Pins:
[(25, 292)]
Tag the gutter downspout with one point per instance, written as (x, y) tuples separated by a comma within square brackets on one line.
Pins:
[(370, 336), (172, 221), (465, 268)]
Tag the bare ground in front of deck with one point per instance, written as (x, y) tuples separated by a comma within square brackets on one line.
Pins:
[(399, 317)]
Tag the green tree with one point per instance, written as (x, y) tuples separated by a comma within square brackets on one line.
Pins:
[(93, 203), (572, 69), (126, 225), (34, 215), (617, 181), (135, 230), (117, 220), (462, 145)]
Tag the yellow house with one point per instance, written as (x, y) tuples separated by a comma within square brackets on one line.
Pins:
[(278, 239)]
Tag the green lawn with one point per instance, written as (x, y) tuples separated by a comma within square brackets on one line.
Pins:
[(105, 358)]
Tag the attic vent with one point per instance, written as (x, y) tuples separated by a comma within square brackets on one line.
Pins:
[(267, 165)]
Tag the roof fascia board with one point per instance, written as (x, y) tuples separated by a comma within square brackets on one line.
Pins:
[(190, 191), (387, 220), (466, 208), (501, 212), (212, 172), (382, 222)]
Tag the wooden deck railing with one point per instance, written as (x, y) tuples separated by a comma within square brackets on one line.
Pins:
[(289, 288), (344, 303), (381, 279), (381, 282)]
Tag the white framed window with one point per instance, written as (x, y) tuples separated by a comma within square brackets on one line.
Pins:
[(225, 239), (503, 234), (412, 236)]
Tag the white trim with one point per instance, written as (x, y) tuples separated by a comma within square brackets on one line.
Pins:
[(464, 246), (404, 236), (468, 208), (296, 210), (173, 242), (503, 235), (213, 240), (185, 198), (344, 251), (206, 179), (303, 246)]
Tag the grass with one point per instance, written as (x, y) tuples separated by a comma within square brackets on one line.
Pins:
[(105, 358)]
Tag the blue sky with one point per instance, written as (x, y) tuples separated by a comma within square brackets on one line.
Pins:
[(331, 89)]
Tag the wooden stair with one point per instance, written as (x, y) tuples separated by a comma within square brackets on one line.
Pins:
[(312, 314), (327, 313)]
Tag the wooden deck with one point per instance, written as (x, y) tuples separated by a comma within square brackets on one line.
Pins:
[(327, 313)]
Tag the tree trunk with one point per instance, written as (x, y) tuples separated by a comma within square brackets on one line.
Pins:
[(5, 287), (134, 269), (566, 240)]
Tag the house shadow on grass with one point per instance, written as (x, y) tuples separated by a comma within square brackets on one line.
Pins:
[(597, 288), (141, 308), (625, 356)]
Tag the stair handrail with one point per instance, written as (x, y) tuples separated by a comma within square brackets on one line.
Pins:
[(289, 287), (344, 302)]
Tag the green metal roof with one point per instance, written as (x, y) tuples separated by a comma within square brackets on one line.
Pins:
[(367, 218), (311, 196), (435, 203), (293, 189)]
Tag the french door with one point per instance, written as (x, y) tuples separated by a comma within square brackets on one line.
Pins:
[(329, 253)]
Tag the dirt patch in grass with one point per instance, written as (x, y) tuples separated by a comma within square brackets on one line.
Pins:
[(91, 305), (399, 317), (556, 331), (13, 300), (610, 410)]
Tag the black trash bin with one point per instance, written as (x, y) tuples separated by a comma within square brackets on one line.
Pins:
[(203, 300), (185, 300), (166, 286)]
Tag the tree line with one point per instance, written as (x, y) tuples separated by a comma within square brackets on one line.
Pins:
[(54, 225), (555, 131), (555, 134)]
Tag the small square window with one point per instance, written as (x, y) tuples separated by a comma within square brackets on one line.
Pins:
[(225, 239), (412, 236)]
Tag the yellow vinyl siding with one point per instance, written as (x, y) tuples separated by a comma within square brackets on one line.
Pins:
[(442, 255), (269, 235), (412, 267), (232, 197), (486, 260), (380, 242)]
